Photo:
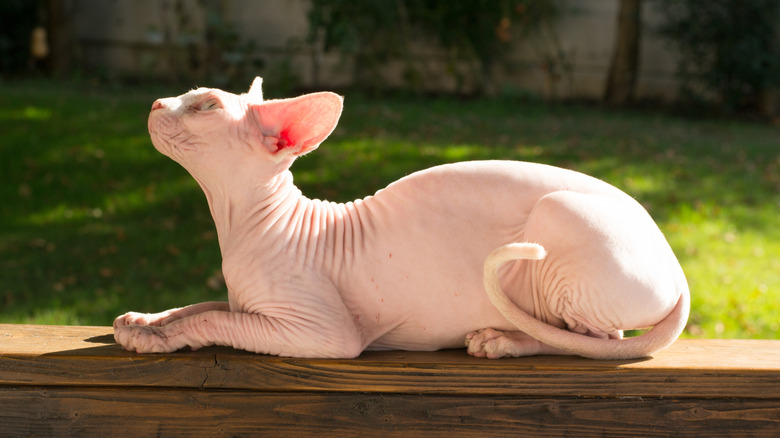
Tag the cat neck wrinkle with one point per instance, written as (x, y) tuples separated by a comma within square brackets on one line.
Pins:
[(253, 207)]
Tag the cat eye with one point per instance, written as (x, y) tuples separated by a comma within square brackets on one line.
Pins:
[(210, 104)]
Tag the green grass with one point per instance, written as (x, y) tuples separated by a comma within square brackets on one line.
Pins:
[(95, 222)]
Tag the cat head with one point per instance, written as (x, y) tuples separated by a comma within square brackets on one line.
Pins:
[(208, 130)]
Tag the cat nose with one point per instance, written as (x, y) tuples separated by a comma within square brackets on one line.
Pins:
[(168, 103)]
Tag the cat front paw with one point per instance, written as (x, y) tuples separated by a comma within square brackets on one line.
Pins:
[(152, 319), (148, 339)]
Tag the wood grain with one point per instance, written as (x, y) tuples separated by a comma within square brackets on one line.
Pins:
[(79, 356), (137, 412), (75, 381)]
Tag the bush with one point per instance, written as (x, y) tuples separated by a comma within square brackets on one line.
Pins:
[(17, 19), (473, 33), (728, 48)]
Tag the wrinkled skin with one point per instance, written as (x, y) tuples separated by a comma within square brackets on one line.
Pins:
[(403, 269)]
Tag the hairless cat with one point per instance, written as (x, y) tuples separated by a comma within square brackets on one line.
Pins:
[(508, 258)]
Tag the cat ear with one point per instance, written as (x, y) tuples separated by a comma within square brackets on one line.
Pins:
[(256, 90), (293, 127)]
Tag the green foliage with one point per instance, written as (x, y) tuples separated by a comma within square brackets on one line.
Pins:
[(95, 222), (17, 19), (728, 47), (377, 32)]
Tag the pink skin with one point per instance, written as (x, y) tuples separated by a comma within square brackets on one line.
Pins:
[(403, 269)]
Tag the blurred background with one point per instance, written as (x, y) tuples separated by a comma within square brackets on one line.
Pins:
[(721, 52), (673, 101)]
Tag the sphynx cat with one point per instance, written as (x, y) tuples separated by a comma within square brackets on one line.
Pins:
[(508, 258)]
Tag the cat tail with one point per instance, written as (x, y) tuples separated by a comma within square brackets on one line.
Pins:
[(659, 337)]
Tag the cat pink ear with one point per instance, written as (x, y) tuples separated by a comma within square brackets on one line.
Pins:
[(297, 126)]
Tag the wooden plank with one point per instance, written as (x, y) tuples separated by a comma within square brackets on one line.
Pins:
[(87, 356), (32, 411), (74, 355)]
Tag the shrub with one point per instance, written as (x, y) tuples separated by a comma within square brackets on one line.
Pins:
[(728, 48), (376, 32), (17, 19)]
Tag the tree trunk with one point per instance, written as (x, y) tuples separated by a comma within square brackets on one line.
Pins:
[(60, 38), (623, 67)]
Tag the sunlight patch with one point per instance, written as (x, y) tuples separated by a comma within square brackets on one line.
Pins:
[(27, 113)]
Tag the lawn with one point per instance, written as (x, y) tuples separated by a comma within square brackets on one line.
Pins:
[(95, 222)]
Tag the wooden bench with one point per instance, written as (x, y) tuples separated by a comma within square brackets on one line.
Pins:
[(59, 381)]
